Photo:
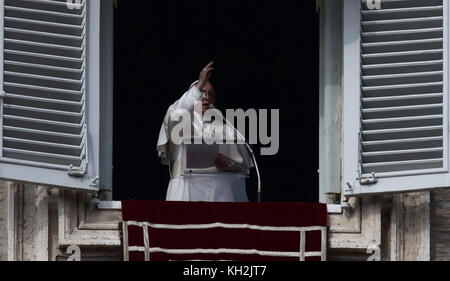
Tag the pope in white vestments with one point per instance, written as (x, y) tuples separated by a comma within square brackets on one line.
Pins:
[(213, 187)]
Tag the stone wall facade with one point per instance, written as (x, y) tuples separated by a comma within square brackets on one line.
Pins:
[(44, 222)]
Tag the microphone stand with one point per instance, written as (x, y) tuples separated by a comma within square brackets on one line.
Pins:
[(253, 158)]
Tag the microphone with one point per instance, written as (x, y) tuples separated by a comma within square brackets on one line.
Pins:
[(253, 158)]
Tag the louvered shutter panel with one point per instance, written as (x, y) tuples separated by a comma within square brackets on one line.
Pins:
[(402, 87), (44, 119), (402, 131)]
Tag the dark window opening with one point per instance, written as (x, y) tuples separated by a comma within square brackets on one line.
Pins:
[(266, 57)]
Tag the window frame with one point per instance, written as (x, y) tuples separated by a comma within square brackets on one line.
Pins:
[(60, 178), (351, 117), (106, 78), (330, 101)]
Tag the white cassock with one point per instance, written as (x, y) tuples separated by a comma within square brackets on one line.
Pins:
[(221, 187)]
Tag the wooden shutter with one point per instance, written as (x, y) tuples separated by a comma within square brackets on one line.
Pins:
[(44, 60), (402, 87), (44, 119), (403, 94)]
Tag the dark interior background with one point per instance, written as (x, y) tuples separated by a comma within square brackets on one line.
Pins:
[(266, 56)]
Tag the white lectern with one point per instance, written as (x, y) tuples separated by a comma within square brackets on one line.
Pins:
[(206, 182)]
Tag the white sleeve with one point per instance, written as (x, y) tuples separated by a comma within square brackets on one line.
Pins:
[(185, 102)]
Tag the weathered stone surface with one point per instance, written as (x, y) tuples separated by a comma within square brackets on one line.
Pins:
[(416, 221), (35, 224), (440, 225)]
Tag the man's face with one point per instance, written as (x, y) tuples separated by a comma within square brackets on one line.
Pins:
[(209, 97)]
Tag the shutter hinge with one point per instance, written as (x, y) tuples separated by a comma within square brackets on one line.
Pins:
[(95, 182), (79, 172), (368, 180)]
